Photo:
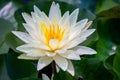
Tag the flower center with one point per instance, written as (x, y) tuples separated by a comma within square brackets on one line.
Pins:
[(52, 33)]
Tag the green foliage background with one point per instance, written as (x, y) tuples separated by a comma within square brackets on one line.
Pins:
[(105, 65)]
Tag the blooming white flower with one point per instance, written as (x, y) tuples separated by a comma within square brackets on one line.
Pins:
[(54, 37)]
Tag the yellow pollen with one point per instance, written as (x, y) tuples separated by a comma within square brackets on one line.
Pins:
[(52, 31)]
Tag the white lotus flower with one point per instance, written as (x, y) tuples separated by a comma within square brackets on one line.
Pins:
[(54, 37)]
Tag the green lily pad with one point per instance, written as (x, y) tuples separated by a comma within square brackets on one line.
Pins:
[(18, 68)]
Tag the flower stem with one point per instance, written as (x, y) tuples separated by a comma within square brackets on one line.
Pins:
[(54, 67)]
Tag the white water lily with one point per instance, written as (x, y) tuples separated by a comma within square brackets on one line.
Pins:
[(54, 38)]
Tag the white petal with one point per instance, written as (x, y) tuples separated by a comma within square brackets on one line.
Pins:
[(70, 54), (53, 43), (37, 10), (27, 17), (73, 17), (45, 18), (81, 23), (28, 28), (29, 20), (87, 32), (64, 21), (32, 45), (32, 50), (78, 39), (50, 54), (36, 17), (55, 11), (76, 30), (57, 69), (74, 42), (70, 68), (61, 62), (43, 62), (23, 36), (82, 50), (24, 56), (61, 51), (45, 77), (87, 25), (32, 33), (38, 33), (64, 41)]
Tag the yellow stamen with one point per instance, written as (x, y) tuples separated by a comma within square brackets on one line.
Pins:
[(53, 31)]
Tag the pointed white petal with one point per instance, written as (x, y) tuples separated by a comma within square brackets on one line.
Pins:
[(53, 43), (81, 23), (70, 54), (76, 30), (35, 17), (87, 25), (29, 20), (77, 39), (43, 62), (29, 30), (34, 45), (34, 52), (73, 17), (70, 68), (61, 62), (74, 42), (87, 32), (24, 56), (82, 50), (64, 21), (27, 17), (37, 10), (45, 77), (23, 36), (45, 18), (29, 47), (27, 27), (32, 33), (55, 11)]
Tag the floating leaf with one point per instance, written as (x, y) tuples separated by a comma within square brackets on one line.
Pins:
[(105, 5), (5, 28), (4, 48), (13, 42), (91, 69), (18, 68), (105, 47)]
